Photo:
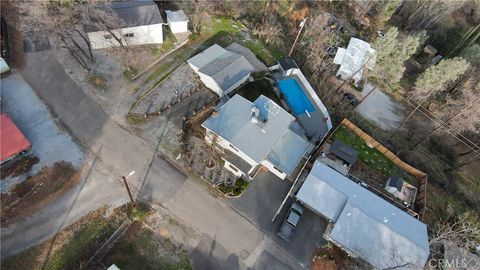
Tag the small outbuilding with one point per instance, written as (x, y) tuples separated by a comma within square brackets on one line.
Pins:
[(177, 21), (12, 140), (344, 152), (221, 70), (141, 23)]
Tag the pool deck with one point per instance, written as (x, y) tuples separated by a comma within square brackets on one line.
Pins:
[(315, 126)]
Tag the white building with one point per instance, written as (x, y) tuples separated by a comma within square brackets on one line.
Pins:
[(354, 59), (257, 134), (221, 70), (142, 24), (363, 224), (177, 21)]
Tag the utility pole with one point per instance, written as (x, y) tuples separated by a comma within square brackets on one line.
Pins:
[(302, 24), (128, 188)]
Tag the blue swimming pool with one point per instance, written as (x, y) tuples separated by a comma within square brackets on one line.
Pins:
[(295, 96)]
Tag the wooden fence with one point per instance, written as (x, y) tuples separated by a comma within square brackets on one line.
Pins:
[(421, 199)]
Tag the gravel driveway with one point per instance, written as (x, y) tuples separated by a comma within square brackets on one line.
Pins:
[(49, 142)]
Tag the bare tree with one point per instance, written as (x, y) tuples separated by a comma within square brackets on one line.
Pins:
[(270, 31), (463, 230)]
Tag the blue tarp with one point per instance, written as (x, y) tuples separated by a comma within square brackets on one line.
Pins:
[(295, 96)]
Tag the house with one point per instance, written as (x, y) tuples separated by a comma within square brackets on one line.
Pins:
[(363, 224), (257, 134), (307, 107), (141, 24), (401, 189), (221, 70), (354, 59), (12, 140), (177, 21)]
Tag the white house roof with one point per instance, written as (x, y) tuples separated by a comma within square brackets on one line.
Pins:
[(288, 151), (364, 223), (133, 13), (353, 59), (176, 15), (233, 122), (223, 66)]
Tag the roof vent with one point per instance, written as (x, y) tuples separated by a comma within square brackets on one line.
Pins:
[(255, 113)]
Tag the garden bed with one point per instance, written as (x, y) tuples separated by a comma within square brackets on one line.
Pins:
[(235, 190)]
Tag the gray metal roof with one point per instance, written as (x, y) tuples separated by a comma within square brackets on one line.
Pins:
[(247, 53), (133, 13), (378, 243), (219, 63), (367, 224), (344, 152), (288, 151), (233, 122), (202, 59), (176, 15), (225, 67)]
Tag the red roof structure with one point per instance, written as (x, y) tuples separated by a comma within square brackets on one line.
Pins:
[(12, 140)]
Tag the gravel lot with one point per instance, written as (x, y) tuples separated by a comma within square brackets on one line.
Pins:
[(49, 142)]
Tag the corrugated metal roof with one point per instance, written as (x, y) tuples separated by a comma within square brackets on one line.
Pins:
[(365, 221), (12, 140), (176, 15)]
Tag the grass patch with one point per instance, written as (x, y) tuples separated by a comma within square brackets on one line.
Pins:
[(98, 81), (129, 73), (235, 190), (134, 119), (252, 90), (225, 31), (140, 212), (371, 156)]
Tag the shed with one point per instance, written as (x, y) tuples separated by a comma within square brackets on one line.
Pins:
[(12, 140), (344, 152), (430, 50), (177, 21), (394, 182)]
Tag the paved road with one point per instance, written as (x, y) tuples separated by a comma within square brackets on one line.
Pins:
[(49, 142), (116, 153)]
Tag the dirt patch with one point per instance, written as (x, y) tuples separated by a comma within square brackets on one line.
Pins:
[(142, 248), (331, 258), (36, 191), (71, 247), (18, 167)]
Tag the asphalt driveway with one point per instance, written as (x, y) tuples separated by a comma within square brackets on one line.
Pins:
[(260, 203)]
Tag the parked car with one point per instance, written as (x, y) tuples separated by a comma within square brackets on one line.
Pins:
[(290, 223), (351, 98)]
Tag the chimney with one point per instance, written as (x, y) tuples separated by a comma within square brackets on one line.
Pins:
[(255, 113)]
